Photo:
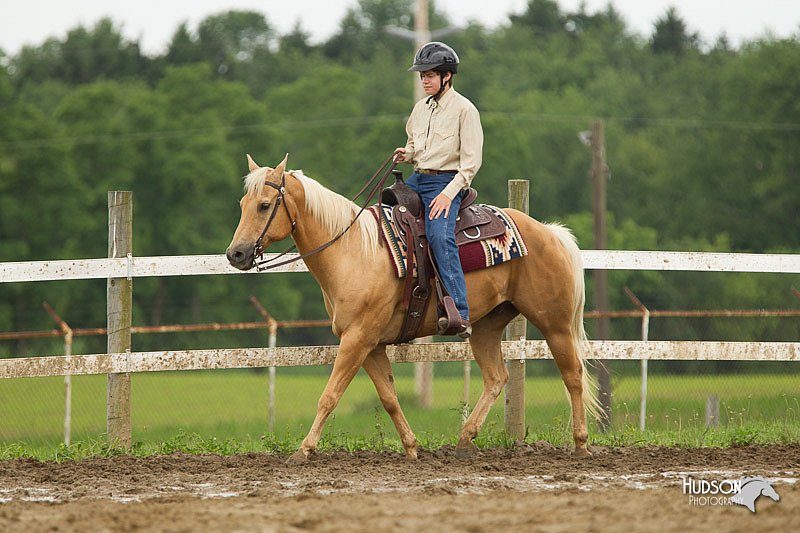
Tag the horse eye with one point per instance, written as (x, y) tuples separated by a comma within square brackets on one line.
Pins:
[(263, 206)]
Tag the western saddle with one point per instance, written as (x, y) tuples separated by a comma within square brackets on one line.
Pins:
[(474, 223)]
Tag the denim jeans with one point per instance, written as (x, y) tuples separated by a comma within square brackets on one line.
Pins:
[(442, 236)]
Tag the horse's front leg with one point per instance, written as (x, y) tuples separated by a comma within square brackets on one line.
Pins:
[(352, 352), (379, 369)]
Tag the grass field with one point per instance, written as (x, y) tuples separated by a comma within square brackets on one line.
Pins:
[(208, 408)]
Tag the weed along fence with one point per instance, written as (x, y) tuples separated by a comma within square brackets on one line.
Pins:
[(121, 267)]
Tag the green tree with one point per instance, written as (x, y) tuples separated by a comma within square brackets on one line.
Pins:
[(184, 48), (701, 143), (84, 56), (363, 31), (232, 38), (671, 35), (543, 16)]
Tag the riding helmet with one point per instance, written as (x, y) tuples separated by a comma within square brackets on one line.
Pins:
[(435, 56)]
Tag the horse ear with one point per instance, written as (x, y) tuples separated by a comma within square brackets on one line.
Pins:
[(251, 164), (281, 168)]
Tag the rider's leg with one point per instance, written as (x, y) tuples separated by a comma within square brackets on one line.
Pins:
[(442, 239)]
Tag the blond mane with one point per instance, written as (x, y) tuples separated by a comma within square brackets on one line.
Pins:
[(333, 210)]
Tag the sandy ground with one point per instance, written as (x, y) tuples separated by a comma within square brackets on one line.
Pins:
[(531, 488)]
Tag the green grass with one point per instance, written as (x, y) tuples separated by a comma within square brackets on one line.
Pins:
[(226, 412)]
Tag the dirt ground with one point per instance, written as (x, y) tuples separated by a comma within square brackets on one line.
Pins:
[(532, 488)]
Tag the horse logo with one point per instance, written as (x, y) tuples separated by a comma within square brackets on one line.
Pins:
[(752, 488)]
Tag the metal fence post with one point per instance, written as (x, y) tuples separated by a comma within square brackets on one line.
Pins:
[(119, 296), (643, 364), (273, 341), (68, 333), (518, 198)]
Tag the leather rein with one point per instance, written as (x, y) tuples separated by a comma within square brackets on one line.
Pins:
[(376, 183)]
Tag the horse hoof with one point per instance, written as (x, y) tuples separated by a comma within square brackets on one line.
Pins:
[(582, 453), (411, 451), (298, 457), (465, 450)]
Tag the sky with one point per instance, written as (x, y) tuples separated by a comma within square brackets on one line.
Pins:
[(152, 22)]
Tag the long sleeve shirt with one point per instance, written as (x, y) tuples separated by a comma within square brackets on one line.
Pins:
[(446, 135)]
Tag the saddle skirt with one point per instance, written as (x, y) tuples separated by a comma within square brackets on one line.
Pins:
[(486, 236)]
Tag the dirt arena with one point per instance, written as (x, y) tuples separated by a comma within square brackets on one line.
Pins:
[(531, 488)]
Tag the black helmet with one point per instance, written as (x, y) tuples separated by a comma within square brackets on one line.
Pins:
[(435, 56)]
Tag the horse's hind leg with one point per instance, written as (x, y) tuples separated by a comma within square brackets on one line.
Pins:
[(379, 369), (566, 355), (486, 337)]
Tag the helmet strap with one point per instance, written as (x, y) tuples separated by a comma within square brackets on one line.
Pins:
[(441, 87)]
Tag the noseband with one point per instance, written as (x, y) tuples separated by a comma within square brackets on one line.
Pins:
[(258, 248)]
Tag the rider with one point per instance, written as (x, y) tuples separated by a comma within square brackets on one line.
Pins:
[(445, 144)]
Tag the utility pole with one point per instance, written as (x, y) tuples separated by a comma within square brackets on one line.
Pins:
[(423, 372), (599, 176), (422, 35)]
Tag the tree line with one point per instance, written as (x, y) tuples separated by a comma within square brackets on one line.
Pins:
[(702, 144)]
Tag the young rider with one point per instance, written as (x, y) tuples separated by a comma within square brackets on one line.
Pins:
[(445, 145)]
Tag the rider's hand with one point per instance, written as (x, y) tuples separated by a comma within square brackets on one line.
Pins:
[(439, 205), (400, 155)]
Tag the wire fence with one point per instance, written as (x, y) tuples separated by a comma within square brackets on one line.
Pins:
[(688, 396)]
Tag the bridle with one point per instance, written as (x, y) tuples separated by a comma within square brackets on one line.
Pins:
[(258, 248), (376, 181)]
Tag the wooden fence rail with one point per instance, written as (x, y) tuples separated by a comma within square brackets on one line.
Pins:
[(201, 265), (30, 367)]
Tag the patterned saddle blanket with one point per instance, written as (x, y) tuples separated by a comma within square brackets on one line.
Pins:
[(475, 250)]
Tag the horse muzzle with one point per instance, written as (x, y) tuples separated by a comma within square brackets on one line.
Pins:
[(240, 257)]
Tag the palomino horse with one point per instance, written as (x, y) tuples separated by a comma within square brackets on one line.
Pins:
[(364, 297)]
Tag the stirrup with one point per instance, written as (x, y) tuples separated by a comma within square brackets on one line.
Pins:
[(452, 323), (462, 328)]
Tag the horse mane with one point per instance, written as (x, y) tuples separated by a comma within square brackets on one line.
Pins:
[(333, 210), (254, 182)]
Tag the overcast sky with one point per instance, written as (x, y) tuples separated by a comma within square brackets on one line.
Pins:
[(153, 22)]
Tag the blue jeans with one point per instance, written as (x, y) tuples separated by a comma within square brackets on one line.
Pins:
[(442, 236)]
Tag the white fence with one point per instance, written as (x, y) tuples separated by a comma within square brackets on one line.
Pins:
[(195, 265), (407, 353), (200, 265), (128, 267)]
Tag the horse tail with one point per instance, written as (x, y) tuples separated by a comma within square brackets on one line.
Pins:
[(578, 333)]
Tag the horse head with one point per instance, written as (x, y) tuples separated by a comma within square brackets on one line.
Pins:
[(267, 215), (770, 492), (752, 488)]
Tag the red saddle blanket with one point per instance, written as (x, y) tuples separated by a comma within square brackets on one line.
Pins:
[(474, 255)]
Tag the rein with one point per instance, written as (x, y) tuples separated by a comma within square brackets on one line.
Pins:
[(376, 182)]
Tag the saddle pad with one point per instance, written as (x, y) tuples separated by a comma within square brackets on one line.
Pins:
[(474, 255)]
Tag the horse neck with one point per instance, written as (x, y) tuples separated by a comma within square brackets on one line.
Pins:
[(311, 233)]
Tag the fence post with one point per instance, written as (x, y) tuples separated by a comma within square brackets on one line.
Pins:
[(67, 331), (518, 198), (712, 411), (273, 340), (643, 364), (599, 177), (119, 296), (272, 328), (423, 379)]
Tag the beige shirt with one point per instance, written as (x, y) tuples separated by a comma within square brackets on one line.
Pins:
[(446, 135)]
